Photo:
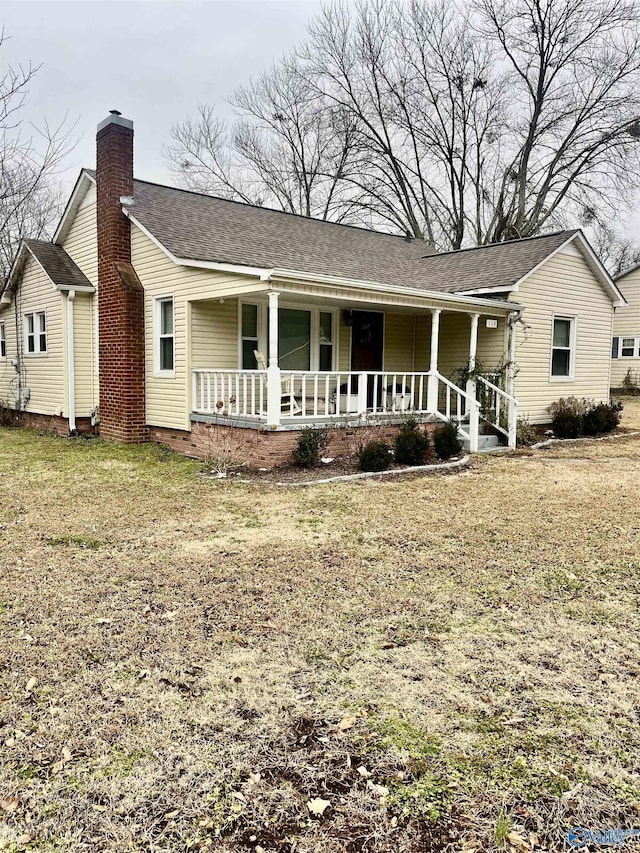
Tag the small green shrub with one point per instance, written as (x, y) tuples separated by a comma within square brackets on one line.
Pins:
[(311, 445), (411, 444), (572, 417), (446, 441), (567, 416), (375, 456), (525, 433), (604, 417)]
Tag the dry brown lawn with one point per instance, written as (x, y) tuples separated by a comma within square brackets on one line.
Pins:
[(444, 663)]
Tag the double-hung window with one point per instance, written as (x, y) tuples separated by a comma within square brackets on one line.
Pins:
[(628, 348), (563, 348), (3, 341), (165, 334), (36, 332), (625, 347)]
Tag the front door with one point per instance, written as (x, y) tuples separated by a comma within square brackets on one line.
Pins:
[(367, 333)]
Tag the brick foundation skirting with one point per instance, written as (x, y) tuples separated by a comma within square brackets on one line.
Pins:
[(260, 448), (52, 423)]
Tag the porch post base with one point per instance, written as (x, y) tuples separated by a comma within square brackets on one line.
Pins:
[(274, 395)]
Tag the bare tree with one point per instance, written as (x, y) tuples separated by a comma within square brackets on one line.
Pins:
[(575, 114), (286, 149), (616, 251), (460, 124), (30, 158)]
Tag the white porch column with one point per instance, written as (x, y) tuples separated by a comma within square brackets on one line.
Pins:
[(473, 349), (432, 387), (471, 386), (274, 383), (513, 408), (511, 326)]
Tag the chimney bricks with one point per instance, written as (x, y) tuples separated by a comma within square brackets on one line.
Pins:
[(121, 308)]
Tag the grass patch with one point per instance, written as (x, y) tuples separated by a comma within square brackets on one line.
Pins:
[(439, 660), (80, 541)]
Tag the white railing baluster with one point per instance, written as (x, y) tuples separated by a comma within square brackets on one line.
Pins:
[(311, 394)]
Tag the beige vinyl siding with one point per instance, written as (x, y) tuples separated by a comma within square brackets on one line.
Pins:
[(8, 376), (42, 374), (168, 397), (455, 340), (398, 342), (81, 242), (626, 323), (344, 344), (564, 286), (85, 356), (423, 342), (214, 334)]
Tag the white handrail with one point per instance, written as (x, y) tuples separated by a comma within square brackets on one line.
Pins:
[(512, 411), (497, 388)]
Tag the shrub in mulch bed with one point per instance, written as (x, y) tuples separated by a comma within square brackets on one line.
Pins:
[(446, 442), (411, 444), (572, 417), (375, 456)]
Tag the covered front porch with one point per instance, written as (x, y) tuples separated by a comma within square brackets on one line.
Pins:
[(304, 361)]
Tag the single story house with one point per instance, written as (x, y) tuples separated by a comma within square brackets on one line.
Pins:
[(160, 314), (625, 351)]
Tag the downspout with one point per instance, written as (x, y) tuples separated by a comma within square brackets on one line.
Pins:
[(71, 373)]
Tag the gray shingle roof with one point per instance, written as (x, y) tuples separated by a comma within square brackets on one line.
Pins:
[(206, 228), (62, 271), (499, 265)]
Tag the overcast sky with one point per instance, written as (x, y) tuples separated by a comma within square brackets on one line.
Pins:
[(154, 60)]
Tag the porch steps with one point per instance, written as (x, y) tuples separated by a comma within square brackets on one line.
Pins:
[(486, 443)]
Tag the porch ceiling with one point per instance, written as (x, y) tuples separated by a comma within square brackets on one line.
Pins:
[(354, 299), (396, 303)]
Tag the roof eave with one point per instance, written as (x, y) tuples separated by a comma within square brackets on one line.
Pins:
[(626, 272), (594, 262), (83, 182), (374, 286)]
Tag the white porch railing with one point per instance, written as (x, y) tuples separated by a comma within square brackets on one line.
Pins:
[(336, 395), (339, 393), (241, 393), (501, 410)]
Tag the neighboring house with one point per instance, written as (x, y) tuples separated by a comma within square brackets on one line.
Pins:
[(625, 351), (147, 309)]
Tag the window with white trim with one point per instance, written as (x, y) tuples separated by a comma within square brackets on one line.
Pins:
[(563, 348), (3, 341), (249, 335), (628, 348), (625, 347), (165, 334), (36, 332)]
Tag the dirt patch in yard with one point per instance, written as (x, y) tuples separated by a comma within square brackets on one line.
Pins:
[(438, 664)]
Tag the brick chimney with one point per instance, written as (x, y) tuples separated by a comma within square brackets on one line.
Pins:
[(120, 294)]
